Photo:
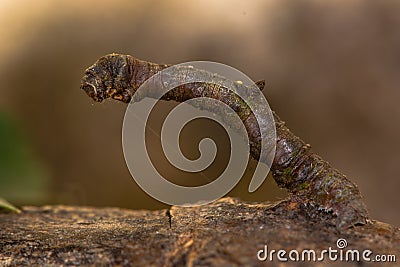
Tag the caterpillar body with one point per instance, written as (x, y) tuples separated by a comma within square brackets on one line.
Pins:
[(306, 176)]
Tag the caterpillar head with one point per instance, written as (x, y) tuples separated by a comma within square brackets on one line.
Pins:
[(108, 77)]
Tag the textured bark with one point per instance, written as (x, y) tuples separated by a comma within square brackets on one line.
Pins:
[(306, 176), (224, 233)]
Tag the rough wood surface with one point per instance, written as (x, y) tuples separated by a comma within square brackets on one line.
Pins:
[(225, 233)]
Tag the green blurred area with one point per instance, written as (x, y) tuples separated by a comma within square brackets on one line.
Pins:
[(23, 178)]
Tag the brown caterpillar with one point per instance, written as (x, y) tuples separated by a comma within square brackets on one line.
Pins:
[(307, 177)]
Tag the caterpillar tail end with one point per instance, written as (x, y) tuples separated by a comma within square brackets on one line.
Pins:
[(354, 214)]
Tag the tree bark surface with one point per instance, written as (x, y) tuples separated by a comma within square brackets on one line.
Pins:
[(227, 232)]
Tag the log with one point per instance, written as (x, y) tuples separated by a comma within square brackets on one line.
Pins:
[(227, 232)]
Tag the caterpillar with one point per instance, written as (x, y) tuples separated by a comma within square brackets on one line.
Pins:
[(308, 178)]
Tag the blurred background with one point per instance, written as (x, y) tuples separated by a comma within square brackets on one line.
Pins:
[(332, 71)]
